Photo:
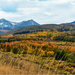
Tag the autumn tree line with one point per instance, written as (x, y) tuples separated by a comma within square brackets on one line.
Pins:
[(39, 48)]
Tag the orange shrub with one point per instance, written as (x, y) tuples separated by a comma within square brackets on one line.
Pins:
[(50, 53)]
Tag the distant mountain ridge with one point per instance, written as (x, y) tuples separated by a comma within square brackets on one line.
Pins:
[(36, 28), (8, 25), (71, 22), (26, 23), (31, 25), (4, 24)]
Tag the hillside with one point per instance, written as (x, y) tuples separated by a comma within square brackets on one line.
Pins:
[(35, 28)]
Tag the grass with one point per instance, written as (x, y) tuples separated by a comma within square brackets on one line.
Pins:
[(16, 65), (33, 65)]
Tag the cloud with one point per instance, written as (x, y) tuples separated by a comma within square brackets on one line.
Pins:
[(48, 13), (73, 3), (28, 11), (42, 11), (62, 1), (9, 16), (13, 0)]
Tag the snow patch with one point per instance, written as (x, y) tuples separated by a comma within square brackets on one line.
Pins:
[(6, 25), (13, 23), (1, 23)]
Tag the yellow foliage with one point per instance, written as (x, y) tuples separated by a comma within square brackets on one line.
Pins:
[(50, 53), (2, 50), (24, 52), (41, 53)]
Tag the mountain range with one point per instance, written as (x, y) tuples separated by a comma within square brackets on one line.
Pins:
[(31, 26), (6, 25), (72, 23)]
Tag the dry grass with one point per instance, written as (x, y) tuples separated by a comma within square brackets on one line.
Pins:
[(29, 69), (10, 65), (7, 69)]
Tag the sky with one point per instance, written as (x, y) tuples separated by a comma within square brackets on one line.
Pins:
[(41, 11)]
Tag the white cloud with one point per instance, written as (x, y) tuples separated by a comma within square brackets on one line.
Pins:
[(73, 3), (9, 16), (62, 1), (48, 11), (28, 11), (13, 0)]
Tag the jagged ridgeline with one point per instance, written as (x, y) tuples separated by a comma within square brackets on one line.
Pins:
[(6, 25)]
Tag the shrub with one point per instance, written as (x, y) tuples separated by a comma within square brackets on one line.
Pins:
[(8, 48), (45, 47), (71, 57), (59, 38), (42, 53), (61, 54), (15, 50), (24, 52), (2, 50), (49, 35), (50, 53)]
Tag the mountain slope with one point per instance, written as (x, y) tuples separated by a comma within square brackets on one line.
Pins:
[(34, 28), (26, 23), (7, 25), (72, 23)]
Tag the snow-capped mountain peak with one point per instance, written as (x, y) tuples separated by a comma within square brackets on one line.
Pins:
[(8, 24)]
